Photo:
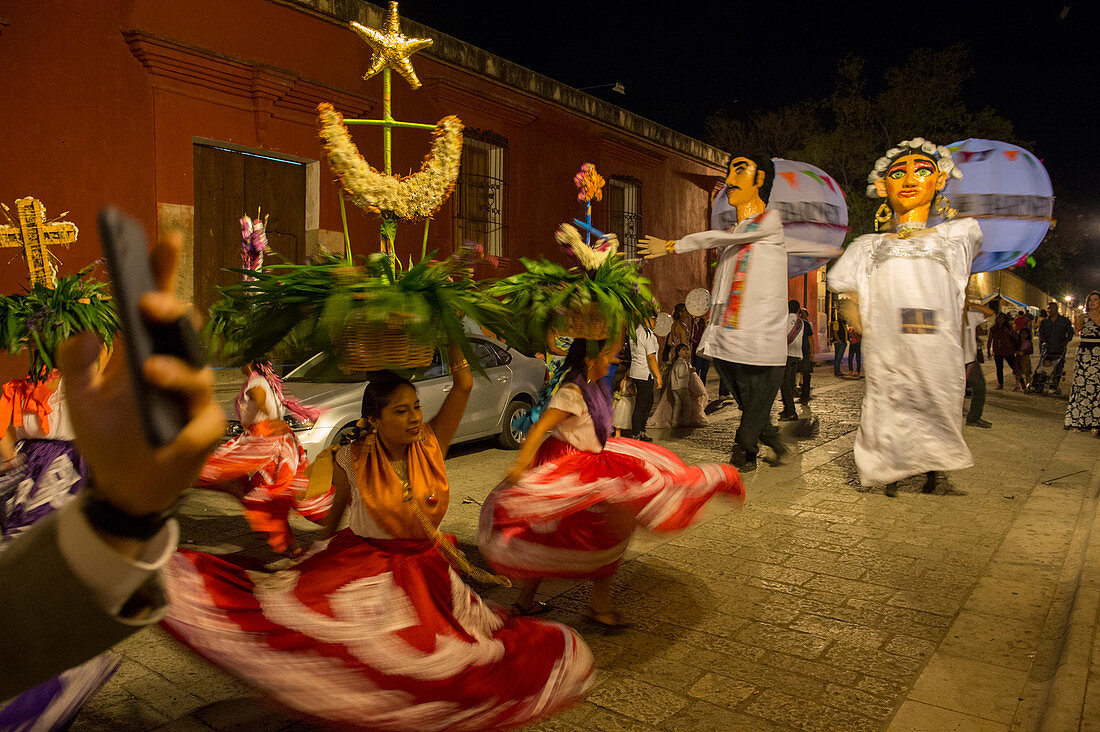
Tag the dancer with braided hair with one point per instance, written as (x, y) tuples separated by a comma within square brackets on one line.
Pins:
[(570, 503), (374, 629), (265, 467)]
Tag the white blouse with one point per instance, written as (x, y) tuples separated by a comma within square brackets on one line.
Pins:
[(576, 429), (250, 412)]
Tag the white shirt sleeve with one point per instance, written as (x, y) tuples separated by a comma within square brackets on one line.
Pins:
[(568, 399), (111, 577), (770, 224), (844, 275)]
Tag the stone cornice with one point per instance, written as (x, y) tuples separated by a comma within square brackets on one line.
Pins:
[(267, 91), (448, 91)]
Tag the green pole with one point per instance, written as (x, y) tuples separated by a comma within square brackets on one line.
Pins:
[(347, 237), (389, 226), (424, 246)]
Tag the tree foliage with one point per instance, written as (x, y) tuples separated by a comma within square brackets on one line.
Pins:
[(844, 133)]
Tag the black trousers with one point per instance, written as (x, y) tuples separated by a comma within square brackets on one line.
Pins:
[(975, 379), (643, 404), (754, 388), (786, 388)]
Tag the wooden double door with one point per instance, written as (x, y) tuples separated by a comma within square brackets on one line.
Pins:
[(231, 183)]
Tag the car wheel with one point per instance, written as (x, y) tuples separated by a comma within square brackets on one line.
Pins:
[(511, 438)]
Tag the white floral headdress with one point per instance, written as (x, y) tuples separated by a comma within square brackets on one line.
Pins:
[(939, 153)]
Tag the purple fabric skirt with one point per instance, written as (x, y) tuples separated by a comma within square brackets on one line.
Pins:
[(51, 475)]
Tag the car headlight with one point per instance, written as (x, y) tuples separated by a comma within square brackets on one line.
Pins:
[(298, 424)]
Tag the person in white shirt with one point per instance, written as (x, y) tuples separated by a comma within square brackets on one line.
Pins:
[(975, 379), (794, 359), (85, 577), (644, 371), (746, 336)]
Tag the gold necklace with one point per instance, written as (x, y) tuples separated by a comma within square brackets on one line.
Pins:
[(401, 470)]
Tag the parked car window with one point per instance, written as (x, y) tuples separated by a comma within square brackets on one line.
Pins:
[(486, 354), (503, 357), (324, 368)]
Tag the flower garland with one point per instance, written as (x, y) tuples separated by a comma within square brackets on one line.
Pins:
[(415, 196), (939, 153), (590, 184), (590, 257)]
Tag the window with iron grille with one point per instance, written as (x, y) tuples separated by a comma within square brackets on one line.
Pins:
[(624, 212), (479, 192)]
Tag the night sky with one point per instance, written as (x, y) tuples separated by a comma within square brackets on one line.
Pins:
[(680, 61)]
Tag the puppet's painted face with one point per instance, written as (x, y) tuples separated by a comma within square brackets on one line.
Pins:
[(742, 182), (911, 182)]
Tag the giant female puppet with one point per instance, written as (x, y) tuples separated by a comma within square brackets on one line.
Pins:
[(909, 282)]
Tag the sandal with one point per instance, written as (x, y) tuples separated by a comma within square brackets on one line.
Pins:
[(612, 620), (535, 608)]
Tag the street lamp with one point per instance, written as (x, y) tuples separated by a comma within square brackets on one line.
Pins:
[(617, 87)]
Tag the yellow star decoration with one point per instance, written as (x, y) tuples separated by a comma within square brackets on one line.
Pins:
[(391, 47)]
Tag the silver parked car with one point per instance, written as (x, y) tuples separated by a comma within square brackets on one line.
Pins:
[(512, 386)]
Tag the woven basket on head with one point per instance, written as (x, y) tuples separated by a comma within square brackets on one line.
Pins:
[(363, 347), (586, 321)]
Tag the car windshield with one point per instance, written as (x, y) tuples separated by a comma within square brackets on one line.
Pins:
[(324, 368)]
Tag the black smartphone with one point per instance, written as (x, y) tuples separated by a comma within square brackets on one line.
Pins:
[(163, 413)]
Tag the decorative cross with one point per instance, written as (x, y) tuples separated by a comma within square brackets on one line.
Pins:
[(31, 231)]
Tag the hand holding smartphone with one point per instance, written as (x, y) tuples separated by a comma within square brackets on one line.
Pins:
[(163, 413)]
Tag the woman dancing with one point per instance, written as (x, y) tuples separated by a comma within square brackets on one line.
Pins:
[(374, 629), (569, 509), (265, 468)]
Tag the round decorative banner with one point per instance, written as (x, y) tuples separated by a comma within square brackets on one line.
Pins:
[(1008, 191), (814, 213), (663, 326), (697, 301)]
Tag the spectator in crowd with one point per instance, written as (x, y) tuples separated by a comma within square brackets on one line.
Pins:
[(855, 351), (680, 335), (807, 364), (645, 373), (975, 380), (795, 325), (1003, 345), (1055, 333), (1027, 347), (1083, 411), (838, 339)]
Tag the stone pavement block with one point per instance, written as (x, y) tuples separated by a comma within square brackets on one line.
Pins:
[(1027, 601), (701, 715), (971, 687), (904, 645), (131, 715), (930, 602), (722, 690), (671, 675), (861, 702), (637, 700), (569, 720), (603, 720), (992, 639), (829, 565), (850, 633), (806, 715), (780, 639), (871, 662), (245, 715), (850, 588), (821, 671), (919, 717), (168, 697)]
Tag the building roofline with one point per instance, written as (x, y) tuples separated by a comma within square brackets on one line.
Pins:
[(453, 52)]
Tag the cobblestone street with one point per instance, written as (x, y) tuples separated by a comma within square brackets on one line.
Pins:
[(818, 605)]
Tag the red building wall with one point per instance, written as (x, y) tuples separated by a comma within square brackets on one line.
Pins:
[(104, 106)]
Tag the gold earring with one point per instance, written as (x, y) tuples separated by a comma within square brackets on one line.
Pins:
[(943, 208), (883, 216)]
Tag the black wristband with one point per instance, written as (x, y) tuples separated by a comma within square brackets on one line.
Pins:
[(105, 517)]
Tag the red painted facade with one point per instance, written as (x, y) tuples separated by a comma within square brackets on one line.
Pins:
[(105, 102)]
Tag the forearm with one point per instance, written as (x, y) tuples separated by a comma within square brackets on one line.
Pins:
[(712, 240), (654, 368)]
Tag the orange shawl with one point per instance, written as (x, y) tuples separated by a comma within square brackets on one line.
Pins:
[(21, 396), (383, 494)]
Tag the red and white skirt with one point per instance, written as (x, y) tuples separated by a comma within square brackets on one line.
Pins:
[(572, 515), (376, 634), (272, 466)]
